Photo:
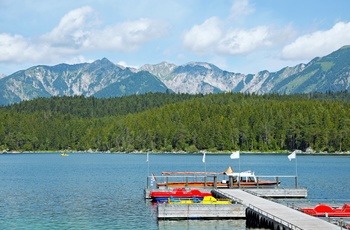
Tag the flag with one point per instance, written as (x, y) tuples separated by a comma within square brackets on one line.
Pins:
[(203, 157), (292, 156), (234, 155), (147, 159)]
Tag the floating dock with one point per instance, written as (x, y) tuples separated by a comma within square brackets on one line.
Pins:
[(258, 212), (261, 192), (262, 213), (279, 192), (200, 211)]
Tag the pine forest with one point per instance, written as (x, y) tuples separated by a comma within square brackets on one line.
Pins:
[(165, 122)]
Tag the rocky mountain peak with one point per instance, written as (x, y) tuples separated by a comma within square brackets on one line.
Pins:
[(104, 79)]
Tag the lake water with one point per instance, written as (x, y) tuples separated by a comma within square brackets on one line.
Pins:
[(105, 191)]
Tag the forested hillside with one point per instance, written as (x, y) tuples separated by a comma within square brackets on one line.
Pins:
[(179, 122)]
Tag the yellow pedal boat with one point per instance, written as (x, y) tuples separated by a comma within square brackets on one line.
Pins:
[(194, 200)]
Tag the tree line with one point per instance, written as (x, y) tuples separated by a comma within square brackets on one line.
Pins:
[(163, 122)]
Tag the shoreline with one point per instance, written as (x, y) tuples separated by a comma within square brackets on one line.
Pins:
[(183, 153)]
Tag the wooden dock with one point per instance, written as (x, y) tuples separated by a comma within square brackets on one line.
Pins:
[(264, 213)]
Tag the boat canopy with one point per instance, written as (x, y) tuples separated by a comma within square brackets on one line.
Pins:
[(242, 174)]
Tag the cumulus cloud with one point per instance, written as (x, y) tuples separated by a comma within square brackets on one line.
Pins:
[(11, 46), (73, 29), (77, 32), (218, 37), (243, 41), (209, 37), (318, 43), (201, 38), (17, 49)]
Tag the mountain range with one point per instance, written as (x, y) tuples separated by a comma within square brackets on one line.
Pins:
[(102, 78)]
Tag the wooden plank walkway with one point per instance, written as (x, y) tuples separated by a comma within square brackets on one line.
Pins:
[(285, 214), (279, 192)]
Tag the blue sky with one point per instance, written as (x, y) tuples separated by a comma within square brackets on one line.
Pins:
[(243, 36)]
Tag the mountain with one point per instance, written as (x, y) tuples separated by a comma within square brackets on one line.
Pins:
[(197, 77), (139, 83), (102, 78), (331, 72)]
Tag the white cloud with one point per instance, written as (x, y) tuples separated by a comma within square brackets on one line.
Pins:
[(244, 41), (210, 38), (202, 38), (318, 43), (12, 46), (17, 49), (78, 32), (73, 29), (127, 36), (241, 8)]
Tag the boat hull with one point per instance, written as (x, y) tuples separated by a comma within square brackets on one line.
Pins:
[(165, 198), (178, 193), (323, 210), (206, 200)]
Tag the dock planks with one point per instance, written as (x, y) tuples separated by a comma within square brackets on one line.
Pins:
[(285, 214)]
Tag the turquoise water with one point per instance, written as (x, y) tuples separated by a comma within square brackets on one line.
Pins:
[(105, 191)]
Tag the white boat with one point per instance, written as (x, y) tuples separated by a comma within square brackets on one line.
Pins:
[(247, 179), (210, 179)]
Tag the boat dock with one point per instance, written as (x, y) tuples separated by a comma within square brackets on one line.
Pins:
[(261, 192), (248, 201), (279, 192), (200, 211), (263, 213)]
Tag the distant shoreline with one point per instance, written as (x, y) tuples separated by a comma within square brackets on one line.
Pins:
[(183, 153)]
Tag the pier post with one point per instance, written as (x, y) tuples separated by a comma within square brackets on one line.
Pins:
[(276, 181), (186, 182), (205, 182), (257, 182), (148, 182), (215, 182), (296, 181), (230, 182), (166, 182)]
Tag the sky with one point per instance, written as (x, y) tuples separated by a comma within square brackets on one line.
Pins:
[(241, 36)]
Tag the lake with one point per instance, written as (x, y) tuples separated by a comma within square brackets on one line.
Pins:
[(105, 191)]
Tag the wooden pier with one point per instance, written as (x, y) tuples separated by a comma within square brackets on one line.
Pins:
[(263, 213)]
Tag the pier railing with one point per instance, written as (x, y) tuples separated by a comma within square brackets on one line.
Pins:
[(292, 181), (217, 181)]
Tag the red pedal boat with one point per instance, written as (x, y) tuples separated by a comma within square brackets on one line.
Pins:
[(178, 193), (325, 210)]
